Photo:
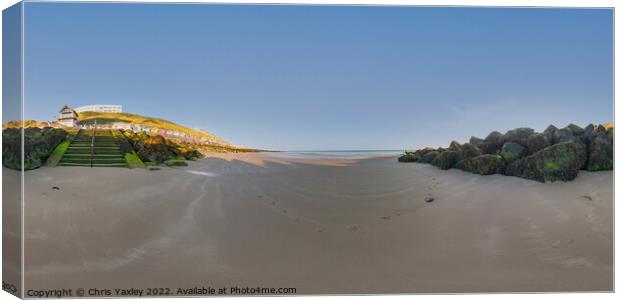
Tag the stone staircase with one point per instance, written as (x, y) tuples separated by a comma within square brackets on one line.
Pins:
[(104, 153)]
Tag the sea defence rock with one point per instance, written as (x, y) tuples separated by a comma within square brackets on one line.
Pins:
[(557, 162), (157, 149), (601, 152), (469, 150), (553, 155), (537, 142), (39, 143), (513, 151), (446, 159), (485, 164), (517, 136), (492, 143)]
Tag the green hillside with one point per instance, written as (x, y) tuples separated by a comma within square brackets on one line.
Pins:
[(109, 118)]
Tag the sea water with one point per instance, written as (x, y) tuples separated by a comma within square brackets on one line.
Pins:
[(335, 154)]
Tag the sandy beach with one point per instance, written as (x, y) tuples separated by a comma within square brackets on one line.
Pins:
[(330, 225)]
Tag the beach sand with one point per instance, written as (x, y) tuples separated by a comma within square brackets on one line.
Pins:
[(320, 225)]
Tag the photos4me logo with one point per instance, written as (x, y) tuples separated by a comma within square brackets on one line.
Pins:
[(11, 288)]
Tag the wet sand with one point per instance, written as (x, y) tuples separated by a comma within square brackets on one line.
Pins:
[(318, 225)]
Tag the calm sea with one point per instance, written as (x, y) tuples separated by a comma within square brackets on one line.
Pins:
[(335, 154)]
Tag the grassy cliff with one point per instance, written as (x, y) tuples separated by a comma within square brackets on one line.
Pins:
[(88, 117)]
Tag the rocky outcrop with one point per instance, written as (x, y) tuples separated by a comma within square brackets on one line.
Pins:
[(469, 150), (485, 164), (39, 143), (553, 155), (446, 159), (557, 162), (512, 151), (600, 156), (537, 142), (157, 149), (517, 136), (492, 143)]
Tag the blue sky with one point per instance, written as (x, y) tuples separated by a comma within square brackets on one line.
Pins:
[(324, 77)]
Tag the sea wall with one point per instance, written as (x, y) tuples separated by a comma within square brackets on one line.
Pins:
[(552, 155)]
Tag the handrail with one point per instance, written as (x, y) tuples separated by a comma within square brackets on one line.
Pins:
[(92, 146)]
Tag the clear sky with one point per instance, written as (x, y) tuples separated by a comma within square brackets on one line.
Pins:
[(324, 77)]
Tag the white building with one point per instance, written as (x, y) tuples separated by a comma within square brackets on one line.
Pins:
[(68, 117), (111, 108)]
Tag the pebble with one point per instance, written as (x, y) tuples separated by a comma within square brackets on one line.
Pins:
[(429, 199)]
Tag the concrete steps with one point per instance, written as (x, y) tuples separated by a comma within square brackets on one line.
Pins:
[(105, 152)]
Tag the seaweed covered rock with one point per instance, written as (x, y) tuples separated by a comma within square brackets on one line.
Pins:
[(158, 149), (549, 131), (476, 141), (153, 149), (454, 146), (185, 152), (555, 154), (512, 151), (429, 157), (408, 157), (537, 142), (517, 135), (469, 150), (563, 135), (38, 145), (485, 164), (425, 155), (601, 153), (446, 160), (577, 131), (492, 143), (557, 162)]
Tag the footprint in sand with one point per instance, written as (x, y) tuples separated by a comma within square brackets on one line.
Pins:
[(296, 220), (319, 230), (398, 213), (386, 218), (284, 210), (259, 196), (352, 227), (273, 203), (587, 197)]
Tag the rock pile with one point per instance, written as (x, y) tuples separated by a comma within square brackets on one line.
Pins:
[(39, 143), (554, 154), (158, 149)]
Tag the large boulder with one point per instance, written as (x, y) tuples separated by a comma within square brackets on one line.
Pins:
[(454, 146), (550, 130), (417, 156), (537, 142), (469, 150), (408, 157), (153, 149), (577, 131), (557, 162), (476, 141), (492, 143), (563, 135), (517, 135), (589, 132), (446, 160), (601, 153), (428, 157), (512, 151), (485, 164)]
